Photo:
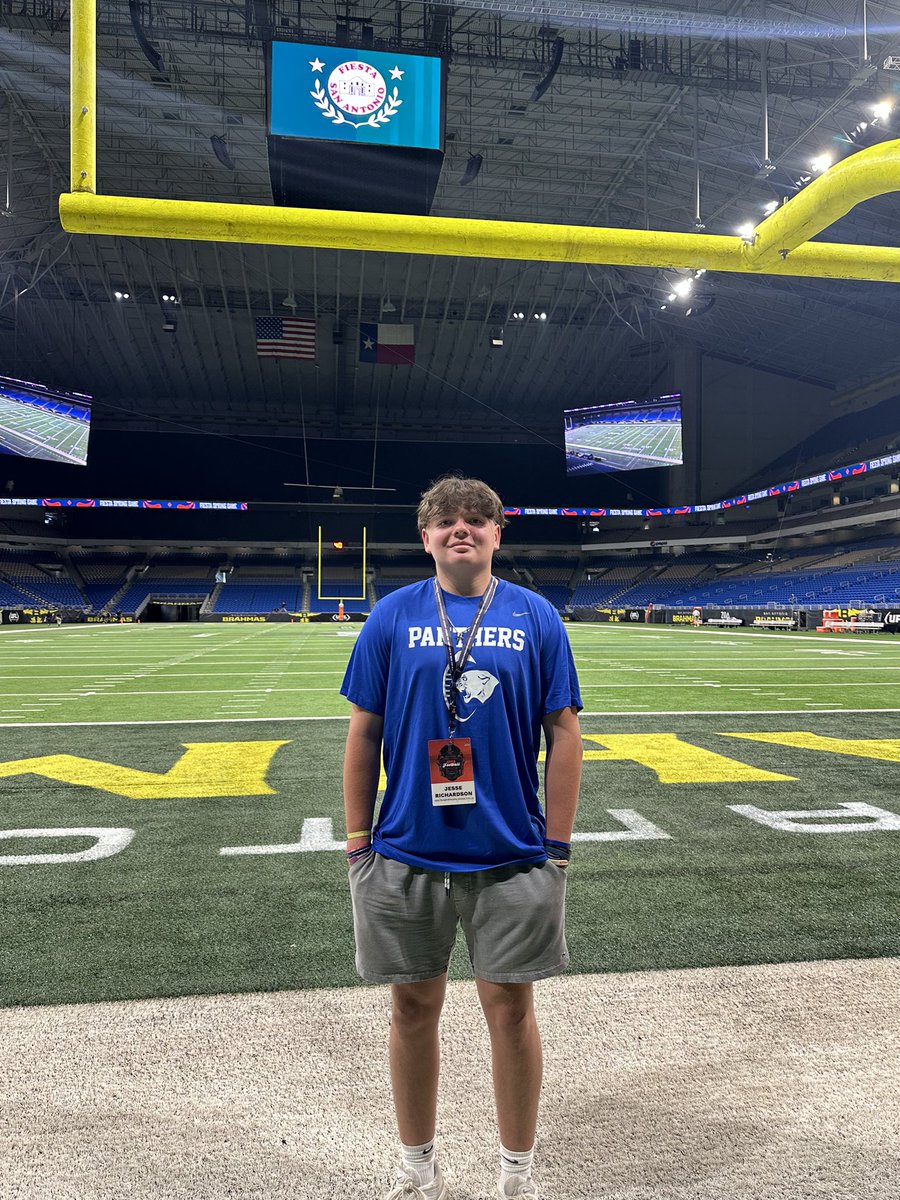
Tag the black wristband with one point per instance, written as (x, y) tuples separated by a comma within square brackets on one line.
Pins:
[(562, 851)]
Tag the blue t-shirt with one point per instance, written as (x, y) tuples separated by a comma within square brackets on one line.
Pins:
[(520, 669)]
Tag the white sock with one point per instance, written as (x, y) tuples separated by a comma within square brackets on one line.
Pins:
[(515, 1162), (418, 1162)]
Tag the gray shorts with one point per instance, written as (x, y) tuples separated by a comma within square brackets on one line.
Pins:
[(405, 920)]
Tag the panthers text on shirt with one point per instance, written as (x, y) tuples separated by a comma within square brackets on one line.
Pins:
[(500, 636)]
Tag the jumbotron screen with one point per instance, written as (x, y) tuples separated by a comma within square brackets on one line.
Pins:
[(43, 422), (368, 97), (628, 436)]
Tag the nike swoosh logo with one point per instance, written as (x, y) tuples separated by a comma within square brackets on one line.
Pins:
[(526, 613)]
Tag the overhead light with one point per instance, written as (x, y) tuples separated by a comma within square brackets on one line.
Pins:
[(555, 59), (663, 307), (821, 163), (672, 296), (122, 295), (387, 306), (540, 316), (169, 298), (473, 166), (289, 301), (518, 316), (882, 110), (747, 231), (682, 286), (496, 337), (769, 208)]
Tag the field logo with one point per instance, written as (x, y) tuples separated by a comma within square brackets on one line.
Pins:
[(206, 769), (356, 89)]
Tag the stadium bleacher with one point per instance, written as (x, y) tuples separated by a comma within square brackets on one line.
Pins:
[(864, 572)]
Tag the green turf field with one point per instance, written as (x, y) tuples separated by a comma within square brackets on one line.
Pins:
[(628, 445), (204, 762)]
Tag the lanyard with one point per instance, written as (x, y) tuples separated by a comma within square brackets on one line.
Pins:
[(456, 663)]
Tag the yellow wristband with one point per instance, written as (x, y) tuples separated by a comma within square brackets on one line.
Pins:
[(361, 833)]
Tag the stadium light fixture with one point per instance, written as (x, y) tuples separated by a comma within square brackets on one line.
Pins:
[(821, 163), (122, 295), (747, 231), (683, 286), (882, 110), (769, 208)]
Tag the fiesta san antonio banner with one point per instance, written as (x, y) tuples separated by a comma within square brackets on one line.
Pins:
[(355, 129)]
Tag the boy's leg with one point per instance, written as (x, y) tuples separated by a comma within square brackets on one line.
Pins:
[(516, 1059), (415, 1056)]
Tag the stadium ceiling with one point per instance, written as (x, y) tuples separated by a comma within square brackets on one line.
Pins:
[(657, 118)]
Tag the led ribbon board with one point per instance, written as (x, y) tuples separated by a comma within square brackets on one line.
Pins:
[(366, 97)]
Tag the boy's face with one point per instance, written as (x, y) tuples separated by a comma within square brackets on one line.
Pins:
[(462, 537)]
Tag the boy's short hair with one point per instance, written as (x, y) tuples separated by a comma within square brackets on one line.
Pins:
[(455, 493)]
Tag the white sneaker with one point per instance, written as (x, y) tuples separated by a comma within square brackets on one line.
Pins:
[(405, 1189), (520, 1186)]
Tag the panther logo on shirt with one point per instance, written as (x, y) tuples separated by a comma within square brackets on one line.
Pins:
[(473, 685), (477, 685)]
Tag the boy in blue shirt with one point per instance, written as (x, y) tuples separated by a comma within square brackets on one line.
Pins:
[(454, 679)]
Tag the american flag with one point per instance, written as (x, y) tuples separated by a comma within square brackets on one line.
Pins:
[(286, 337)]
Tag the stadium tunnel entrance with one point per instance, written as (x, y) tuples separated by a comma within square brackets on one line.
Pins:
[(159, 610)]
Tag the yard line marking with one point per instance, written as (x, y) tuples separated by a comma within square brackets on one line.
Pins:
[(718, 712), (597, 687)]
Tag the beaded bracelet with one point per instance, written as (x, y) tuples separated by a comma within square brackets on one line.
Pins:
[(561, 851)]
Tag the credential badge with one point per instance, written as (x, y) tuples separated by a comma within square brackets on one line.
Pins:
[(356, 94)]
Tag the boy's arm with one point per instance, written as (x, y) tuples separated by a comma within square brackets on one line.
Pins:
[(562, 775), (362, 765)]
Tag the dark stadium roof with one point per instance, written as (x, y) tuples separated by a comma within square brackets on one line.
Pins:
[(626, 135)]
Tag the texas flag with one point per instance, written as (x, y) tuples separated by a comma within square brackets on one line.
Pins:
[(394, 344)]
